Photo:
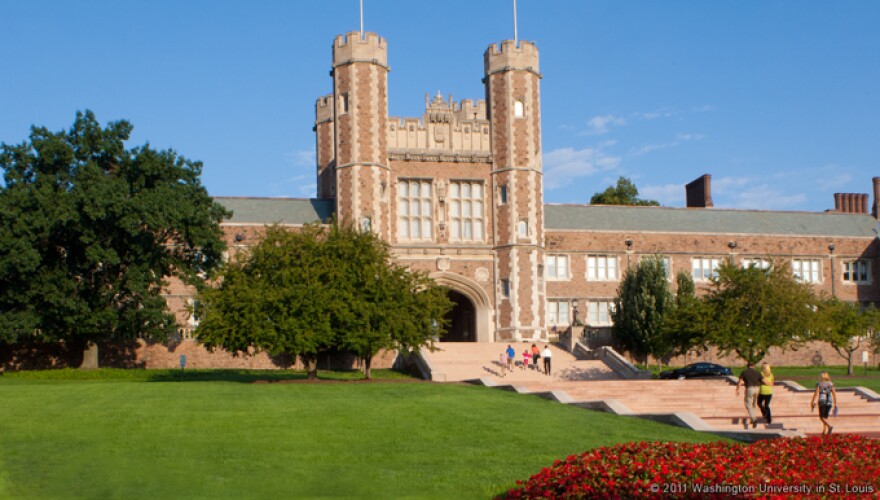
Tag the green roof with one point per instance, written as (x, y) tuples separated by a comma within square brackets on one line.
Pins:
[(707, 220), (295, 211), (299, 211)]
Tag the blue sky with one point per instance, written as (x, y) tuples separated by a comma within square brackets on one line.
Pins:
[(778, 100)]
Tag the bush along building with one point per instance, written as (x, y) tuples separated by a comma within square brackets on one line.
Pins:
[(458, 193)]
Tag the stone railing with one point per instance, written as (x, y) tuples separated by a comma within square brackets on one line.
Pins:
[(620, 365)]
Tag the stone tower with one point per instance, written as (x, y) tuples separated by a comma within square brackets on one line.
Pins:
[(360, 116), (513, 94)]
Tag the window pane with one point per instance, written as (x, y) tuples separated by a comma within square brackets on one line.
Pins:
[(478, 209), (426, 228), (466, 225), (478, 191), (404, 208), (466, 209), (456, 229), (426, 190), (551, 267), (426, 208), (403, 228), (478, 230), (414, 229), (453, 190), (465, 190), (563, 267), (454, 209)]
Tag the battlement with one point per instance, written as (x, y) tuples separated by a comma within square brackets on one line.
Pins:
[(351, 47), (454, 128), (507, 55), (324, 109)]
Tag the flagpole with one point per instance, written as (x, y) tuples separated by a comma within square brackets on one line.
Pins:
[(515, 35), (362, 19)]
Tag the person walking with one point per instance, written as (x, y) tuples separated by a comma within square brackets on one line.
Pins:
[(527, 358), (547, 355), (751, 379), (827, 398), (765, 392), (511, 354), (536, 356)]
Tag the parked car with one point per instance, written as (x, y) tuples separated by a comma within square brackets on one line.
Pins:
[(697, 370)]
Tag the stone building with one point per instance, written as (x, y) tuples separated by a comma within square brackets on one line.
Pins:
[(458, 192)]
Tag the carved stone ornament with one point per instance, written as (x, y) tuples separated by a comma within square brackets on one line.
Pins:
[(482, 274), (442, 264)]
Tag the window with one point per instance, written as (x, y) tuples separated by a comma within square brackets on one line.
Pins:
[(753, 262), (704, 268), (667, 265), (505, 289), (557, 267), (857, 271), (518, 109), (343, 104), (523, 229), (466, 211), (807, 270), (557, 312), (195, 312), (601, 267), (599, 312), (502, 194), (414, 210)]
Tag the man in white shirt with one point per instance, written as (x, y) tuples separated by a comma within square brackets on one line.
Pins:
[(546, 354)]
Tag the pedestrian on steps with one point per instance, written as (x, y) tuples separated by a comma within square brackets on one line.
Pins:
[(536, 356), (546, 354)]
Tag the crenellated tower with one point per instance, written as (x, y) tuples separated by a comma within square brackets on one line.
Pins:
[(360, 111), (325, 150), (513, 95)]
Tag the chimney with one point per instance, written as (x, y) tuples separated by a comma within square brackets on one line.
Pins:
[(876, 209), (852, 203), (699, 192)]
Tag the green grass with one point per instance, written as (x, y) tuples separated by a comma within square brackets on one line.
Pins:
[(126, 437), (192, 375)]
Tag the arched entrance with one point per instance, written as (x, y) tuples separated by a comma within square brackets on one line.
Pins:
[(462, 319), (471, 301)]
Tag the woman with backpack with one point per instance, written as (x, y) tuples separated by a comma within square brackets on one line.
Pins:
[(827, 397)]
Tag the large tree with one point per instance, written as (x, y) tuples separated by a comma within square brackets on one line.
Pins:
[(642, 303), (847, 327), (90, 230), (687, 322), (753, 309), (624, 193), (303, 292)]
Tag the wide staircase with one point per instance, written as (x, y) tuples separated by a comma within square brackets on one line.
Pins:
[(458, 361), (710, 405)]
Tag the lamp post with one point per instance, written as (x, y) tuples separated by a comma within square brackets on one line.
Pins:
[(732, 246), (574, 313), (629, 244), (831, 251)]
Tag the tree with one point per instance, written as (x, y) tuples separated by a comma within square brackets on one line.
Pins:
[(846, 326), (640, 308), (90, 230), (686, 323), (624, 193), (302, 293), (753, 309)]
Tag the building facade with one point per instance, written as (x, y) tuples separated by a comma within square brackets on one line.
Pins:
[(458, 193)]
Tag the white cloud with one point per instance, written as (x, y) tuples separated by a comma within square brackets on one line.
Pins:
[(302, 158), (753, 193), (651, 147), (562, 166), (690, 137), (599, 125)]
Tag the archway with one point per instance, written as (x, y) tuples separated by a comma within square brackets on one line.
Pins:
[(482, 329), (462, 319)]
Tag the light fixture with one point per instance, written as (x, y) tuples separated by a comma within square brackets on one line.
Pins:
[(731, 244)]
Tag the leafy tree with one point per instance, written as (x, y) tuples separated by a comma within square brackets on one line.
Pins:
[(686, 323), (89, 230), (624, 193), (641, 306), (753, 309), (847, 327), (301, 293)]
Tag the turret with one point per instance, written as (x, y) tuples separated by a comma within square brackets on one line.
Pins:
[(360, 93), (513, 97)]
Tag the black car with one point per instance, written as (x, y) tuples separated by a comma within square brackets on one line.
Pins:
[(697, 370)]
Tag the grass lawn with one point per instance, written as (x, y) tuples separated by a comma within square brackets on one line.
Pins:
[(145, 435)]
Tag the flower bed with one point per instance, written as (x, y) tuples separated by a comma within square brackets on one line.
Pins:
[(838, 466)]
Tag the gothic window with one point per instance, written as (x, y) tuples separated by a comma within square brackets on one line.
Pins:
[(807, 270), (557, 312), (505, 289), (704, 268), (601, 268), (557, 267), (599, 312), (857, 271), (523, 228), (414, 210), (502, 194), (466, 217), (756, 262)]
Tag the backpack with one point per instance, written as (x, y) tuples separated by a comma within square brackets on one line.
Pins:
[(825, 394)]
